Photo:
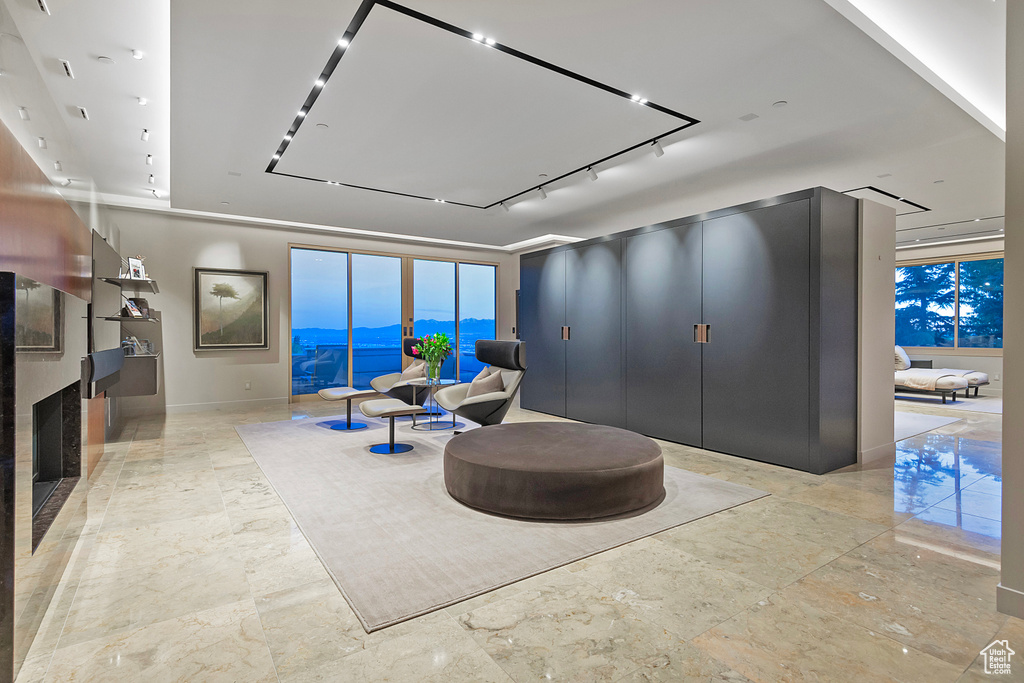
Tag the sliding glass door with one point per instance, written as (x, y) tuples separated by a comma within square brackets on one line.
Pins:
[(477, 314), (319, 320), (434, 304), (376, 317), (349, 313)]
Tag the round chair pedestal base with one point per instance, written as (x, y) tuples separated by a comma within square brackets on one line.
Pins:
[(348, 426), (387, 449)]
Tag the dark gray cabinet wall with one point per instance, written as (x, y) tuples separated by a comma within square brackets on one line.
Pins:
[(542, 284), (593, 352), (775, 281), (662, 273)]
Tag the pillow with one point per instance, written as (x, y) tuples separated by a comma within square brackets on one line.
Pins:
[(902, 359), (416, 370), (483, 373), (485, 385)]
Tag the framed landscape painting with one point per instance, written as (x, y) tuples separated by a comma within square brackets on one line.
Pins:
[(230, 308), (37, 318)]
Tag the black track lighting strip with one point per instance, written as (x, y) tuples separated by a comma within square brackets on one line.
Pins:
[(903, 200), (353, 28)]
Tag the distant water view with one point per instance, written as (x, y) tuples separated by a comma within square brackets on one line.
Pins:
[(320, 355)]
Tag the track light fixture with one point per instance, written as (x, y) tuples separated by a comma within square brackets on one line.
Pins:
[(658, 151), (41, 142), (66, 182), (149, 160), (156, 193), (592, 173), (145, 134), (137, 54), (57, 166), (152, 180), (543, 194), (23, 113), (142, 101)]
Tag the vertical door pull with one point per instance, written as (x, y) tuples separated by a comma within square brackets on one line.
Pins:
[(565, 333), (707, 334), (701, 333), (696, 334)]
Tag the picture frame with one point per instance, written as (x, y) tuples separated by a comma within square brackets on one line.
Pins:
[(135, 269), (39, 319), (230, 310)]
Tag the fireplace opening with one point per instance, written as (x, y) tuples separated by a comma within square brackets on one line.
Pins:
[(56, 455)]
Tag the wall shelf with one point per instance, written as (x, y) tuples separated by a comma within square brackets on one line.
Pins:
[(129, 319), (135, 284)]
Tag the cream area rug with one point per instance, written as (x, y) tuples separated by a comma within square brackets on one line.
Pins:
[(992, 403), (906, 425), (398, 546)]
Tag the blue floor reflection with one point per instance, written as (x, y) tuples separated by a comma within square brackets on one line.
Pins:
[(950, 480)]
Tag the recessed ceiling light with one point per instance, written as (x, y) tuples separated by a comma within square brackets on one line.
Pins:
[(884, 175), (143, 101), (477, 37), (319, 83), (976, 220), (225, 203), (658, 151), (57, 166), (489, 41), (149, 160), (235, 174), (42, 6), (41, 142), (780, 103), (635, 98), (137, 54), (83, 113), (439, 201), (342, 43), (67, 68), (103, 59), (322, 125), (288, 137), (749, 117), (277, 156), (23, 113), (643, 100), (145, 134), (302, 113), (899, 199), (152, 180), (938, 181)]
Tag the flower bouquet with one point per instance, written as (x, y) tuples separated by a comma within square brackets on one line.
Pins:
[(434, 349)]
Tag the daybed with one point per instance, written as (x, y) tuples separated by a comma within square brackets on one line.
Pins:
[(915, 376)]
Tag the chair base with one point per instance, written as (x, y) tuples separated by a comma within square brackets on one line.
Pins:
[(348, 426), (388, 449)]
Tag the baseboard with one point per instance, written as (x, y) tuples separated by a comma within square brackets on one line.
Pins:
[(887, 450), (225, 405), (1010, 601)]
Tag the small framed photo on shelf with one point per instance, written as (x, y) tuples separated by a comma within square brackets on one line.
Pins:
[(136, 271)]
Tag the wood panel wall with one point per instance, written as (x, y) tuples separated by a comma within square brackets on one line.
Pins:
[(41, 237)]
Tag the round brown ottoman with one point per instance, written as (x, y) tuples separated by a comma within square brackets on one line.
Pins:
[(554, 470)]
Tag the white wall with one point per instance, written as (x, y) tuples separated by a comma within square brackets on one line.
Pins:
[(961, 359), (877, 329), (1010, 594), (173, 245)]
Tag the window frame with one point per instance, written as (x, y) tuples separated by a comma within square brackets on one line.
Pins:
[(407, 297), (956, 349)]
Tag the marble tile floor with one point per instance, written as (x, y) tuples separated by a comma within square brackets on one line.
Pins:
[(191, 569)]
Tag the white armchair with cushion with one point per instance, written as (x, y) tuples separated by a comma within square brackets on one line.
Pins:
[(488, 397), (398, 384)]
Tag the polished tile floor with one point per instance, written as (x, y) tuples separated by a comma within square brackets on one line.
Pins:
[(190, 569)]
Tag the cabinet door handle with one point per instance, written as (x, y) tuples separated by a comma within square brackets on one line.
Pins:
[(696, 334), (701, 333), (565, 333)]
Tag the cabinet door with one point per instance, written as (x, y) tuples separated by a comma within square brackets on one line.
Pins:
[(542, 315), (662, 275), (756, 301), (594, 389)]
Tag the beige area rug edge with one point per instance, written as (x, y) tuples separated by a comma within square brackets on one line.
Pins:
[(754, 494)]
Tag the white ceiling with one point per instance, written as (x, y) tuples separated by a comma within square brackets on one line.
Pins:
[(422, 111)]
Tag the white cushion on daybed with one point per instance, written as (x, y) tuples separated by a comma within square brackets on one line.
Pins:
[(902, 359)]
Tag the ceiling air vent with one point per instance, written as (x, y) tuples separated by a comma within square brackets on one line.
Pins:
[(67, 68), (42, 6), (84, 113)]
